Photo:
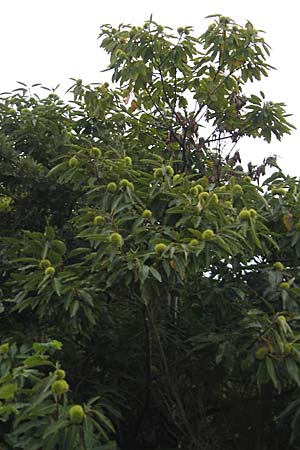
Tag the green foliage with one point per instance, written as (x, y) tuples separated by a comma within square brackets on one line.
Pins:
[(36, 404), (140, 254)]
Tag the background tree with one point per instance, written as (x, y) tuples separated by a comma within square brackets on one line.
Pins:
[(139, 252)]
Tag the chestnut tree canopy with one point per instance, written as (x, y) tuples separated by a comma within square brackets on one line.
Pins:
[(150, 283)]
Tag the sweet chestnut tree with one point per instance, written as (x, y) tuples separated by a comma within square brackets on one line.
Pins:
[(149, 278)]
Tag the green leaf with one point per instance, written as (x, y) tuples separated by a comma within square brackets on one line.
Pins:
[(33, 361), (54, 428), (220, 241), (88, 433), (8, 409), (155, 274), (8, 391), (293, 370), (57, 286), (271, 371), (74, 308), (57, 169)]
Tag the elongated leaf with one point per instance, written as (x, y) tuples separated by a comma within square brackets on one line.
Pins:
[(155, 273), (271, 371), (35, 360), (54, 428), (293, 370)]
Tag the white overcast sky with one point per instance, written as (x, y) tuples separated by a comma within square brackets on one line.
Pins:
[(49, 42)]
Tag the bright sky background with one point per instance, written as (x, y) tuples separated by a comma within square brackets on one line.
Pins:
[(49, 42)]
